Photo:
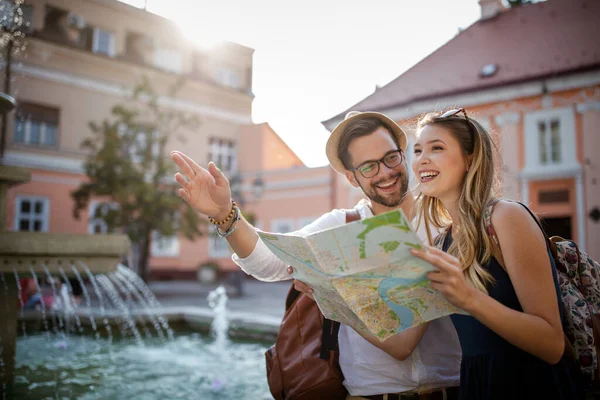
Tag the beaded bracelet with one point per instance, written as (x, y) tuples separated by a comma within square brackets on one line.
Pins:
[(226, 220), (232, 227)]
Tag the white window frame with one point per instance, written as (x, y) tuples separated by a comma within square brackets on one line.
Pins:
[(164, 246), (170, 60), (44, 216), (27, 133), (224, 151), (218, 247), (276, 225), (96, 42), (93, 222), (568, 153), (228, 77)]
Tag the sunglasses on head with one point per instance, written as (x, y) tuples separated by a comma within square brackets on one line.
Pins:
[(454, 113)]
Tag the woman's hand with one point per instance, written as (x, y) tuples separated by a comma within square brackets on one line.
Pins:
[(301, 286), (449, 279), (206, 190)]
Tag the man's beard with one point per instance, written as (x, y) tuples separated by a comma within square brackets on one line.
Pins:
[(392, 200)]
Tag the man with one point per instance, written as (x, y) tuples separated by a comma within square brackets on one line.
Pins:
[(368, 148)]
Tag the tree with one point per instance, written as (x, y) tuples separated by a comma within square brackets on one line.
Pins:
[(127, 166), (12, 42)]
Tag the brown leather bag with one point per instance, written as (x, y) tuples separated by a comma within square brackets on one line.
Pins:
[(303, 364)]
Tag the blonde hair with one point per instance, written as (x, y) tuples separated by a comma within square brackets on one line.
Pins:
[(471, 244)]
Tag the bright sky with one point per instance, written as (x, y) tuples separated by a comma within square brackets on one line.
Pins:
[(315, 58)]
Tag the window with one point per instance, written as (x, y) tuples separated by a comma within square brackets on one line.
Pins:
[(32, 214), (96, 211), (282, 225), (168, 60), (228, 78), (223, 154), (164, 246), (36, 125), (549, 141), (103, 42), (218, 246)]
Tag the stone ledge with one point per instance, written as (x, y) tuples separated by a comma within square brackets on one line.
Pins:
[(65, 245), (14, 175), (241, 325)]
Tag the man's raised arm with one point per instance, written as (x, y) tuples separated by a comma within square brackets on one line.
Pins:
[(208, 192)]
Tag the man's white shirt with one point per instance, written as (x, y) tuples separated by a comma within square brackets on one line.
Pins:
[(368, 370)]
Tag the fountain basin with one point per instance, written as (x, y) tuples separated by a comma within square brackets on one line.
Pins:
[(109, 363), (21, 251), (30, 253), (190, 366), (242, 326)]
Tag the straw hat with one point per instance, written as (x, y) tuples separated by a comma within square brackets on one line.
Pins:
[(331, 149)]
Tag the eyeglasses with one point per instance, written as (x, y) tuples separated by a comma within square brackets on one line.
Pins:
[(453, 113), (391, 159)]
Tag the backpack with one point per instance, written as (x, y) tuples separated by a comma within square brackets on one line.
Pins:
[(303, 364), (579, 286)]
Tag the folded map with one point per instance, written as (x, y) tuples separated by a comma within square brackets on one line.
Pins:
[(363, 274)]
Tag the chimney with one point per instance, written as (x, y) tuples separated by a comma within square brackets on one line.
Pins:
[(490, 8)]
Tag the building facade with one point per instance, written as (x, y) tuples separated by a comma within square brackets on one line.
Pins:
[(531, 75), (83, 57)]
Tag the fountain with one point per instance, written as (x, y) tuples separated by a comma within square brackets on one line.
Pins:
[(45, 254), (188, 366), (115, 344)]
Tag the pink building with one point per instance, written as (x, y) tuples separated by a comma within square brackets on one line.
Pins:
[(531, 74)]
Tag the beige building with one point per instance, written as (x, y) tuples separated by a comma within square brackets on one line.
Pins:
[(82, 57)]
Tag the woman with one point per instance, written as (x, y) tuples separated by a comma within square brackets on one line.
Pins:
[(512, 340)]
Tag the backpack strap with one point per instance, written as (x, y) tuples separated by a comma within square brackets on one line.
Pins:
[(329, 338), (496, 249), (551, 245), (292, 295)]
